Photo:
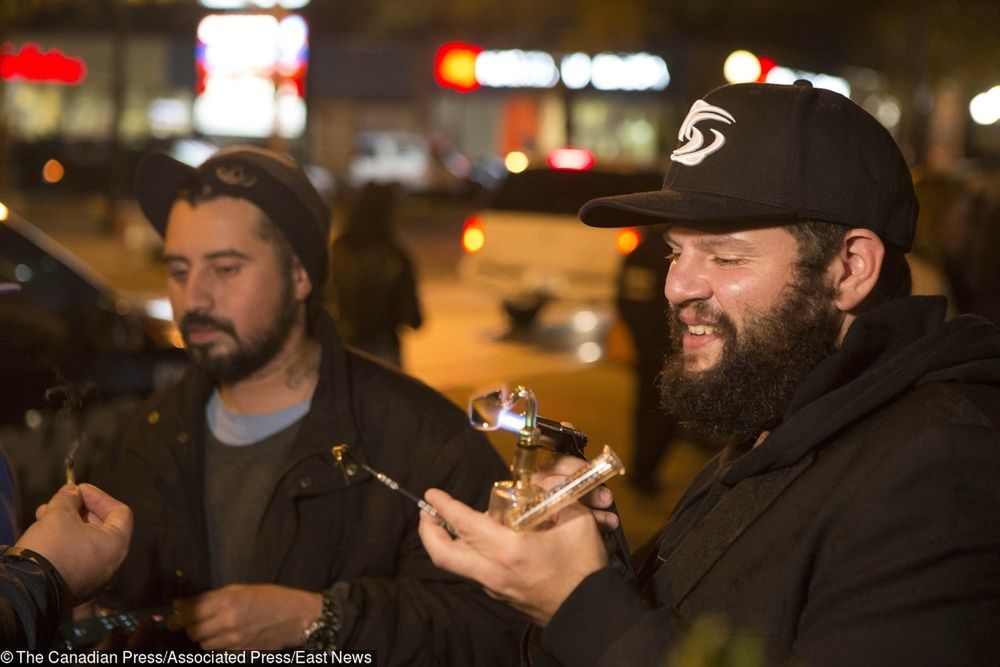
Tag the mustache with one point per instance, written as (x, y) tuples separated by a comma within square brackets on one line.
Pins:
[(702, 311), (201, 319), (724, 325)]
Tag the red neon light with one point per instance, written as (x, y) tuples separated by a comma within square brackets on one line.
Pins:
[(766, 65), (455, 66), (31, 64)]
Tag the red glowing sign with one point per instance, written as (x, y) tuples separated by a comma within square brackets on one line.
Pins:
[(35, 66), (455, 66), (766, 65)]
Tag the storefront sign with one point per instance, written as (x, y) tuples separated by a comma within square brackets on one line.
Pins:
[(465, 67), (33, 65), (253, 4), (251, 71)]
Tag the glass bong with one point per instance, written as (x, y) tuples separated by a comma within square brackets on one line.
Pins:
[(520, 503)]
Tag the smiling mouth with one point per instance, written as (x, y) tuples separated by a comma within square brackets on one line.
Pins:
[(700, 329)]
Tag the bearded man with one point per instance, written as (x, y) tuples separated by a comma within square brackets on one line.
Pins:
[(855, 517), (247, 523)]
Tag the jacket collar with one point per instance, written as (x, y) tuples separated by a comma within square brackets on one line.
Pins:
[(182, 406)]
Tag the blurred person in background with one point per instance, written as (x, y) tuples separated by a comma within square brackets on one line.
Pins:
[(854, 519), (643, 308), (373, 287), (983, 271), (964, 206), (942, 201), (260, 536), (74, 548)]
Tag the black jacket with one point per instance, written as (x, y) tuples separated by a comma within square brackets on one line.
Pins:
[(325, 525), (864, 531)]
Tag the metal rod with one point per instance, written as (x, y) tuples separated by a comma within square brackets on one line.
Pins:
[(421, 503)]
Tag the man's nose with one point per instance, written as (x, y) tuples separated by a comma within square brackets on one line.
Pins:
[(198, 291), (685, 282)]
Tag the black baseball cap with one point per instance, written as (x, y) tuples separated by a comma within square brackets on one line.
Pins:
[(758, 152), (270, 180)]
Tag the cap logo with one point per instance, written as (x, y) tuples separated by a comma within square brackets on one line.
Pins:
[(234, 175), (694, 151)]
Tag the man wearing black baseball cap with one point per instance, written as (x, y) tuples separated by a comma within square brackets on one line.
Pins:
[(853, 518), (253, 517)]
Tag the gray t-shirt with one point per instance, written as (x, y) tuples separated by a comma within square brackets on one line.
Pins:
[(242, 459)]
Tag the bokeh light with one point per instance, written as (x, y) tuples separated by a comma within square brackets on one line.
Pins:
[(53, 171), (741, 67), (516, 162)]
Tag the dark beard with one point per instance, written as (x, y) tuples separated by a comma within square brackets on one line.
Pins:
[(749, 388), (250, 355)]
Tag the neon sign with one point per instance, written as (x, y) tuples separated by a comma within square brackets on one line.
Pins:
[(466, 67), (33, 65), (253, 4)]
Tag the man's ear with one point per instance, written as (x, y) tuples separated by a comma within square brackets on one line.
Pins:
[(301, 284), (856, 268)]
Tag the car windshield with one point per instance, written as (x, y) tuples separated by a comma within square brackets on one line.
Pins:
[(564, 192)]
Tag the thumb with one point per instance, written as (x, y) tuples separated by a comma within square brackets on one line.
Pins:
[(112, 513)]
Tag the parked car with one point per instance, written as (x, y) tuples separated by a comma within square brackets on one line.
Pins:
[(63, 329), (408, 160), (528, 247)]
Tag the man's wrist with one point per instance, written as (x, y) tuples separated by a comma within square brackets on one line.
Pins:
[(323, 633)]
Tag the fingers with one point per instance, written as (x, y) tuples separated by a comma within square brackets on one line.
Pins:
[(455, 556), (565, 465), (606, 521), (598, 499), (66, 498), (455, 512), (101, 504), (104, 509), (209, 633), (190, 611), (481, 539)]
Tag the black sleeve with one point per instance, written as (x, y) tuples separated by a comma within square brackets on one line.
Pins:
[(30, 604), (604, 621)]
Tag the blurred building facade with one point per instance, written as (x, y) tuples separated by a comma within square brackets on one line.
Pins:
[(359, 84)]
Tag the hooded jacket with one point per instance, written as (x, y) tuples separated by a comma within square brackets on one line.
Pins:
[(326, 526), (865, 530)]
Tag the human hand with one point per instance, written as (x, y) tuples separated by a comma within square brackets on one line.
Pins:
[(84, 533), (598, 500), (534, 571), (247, 616)]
